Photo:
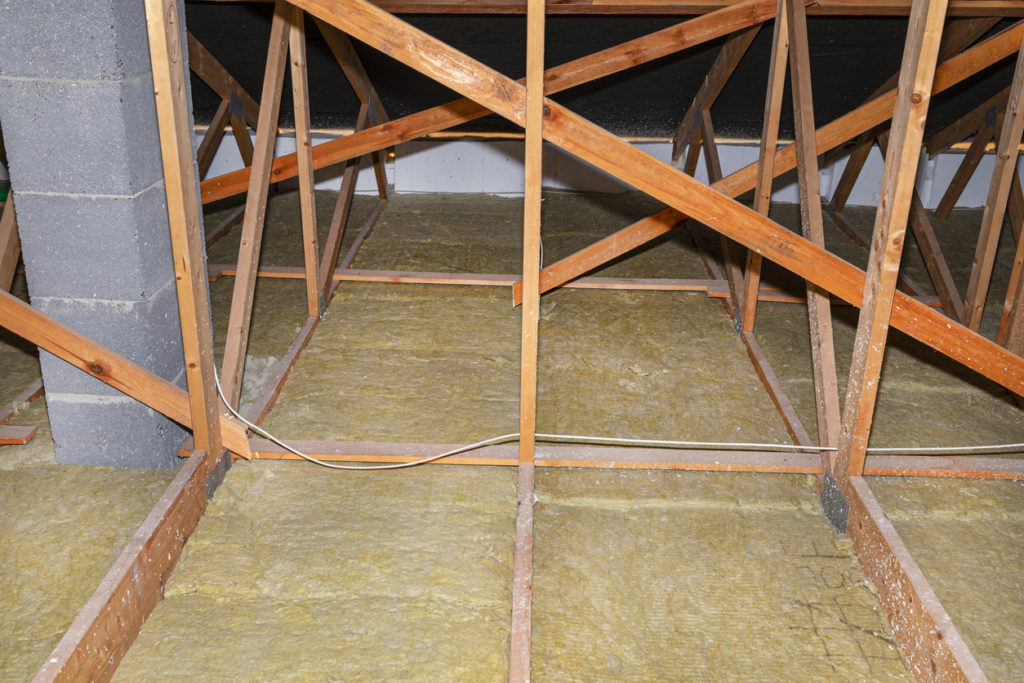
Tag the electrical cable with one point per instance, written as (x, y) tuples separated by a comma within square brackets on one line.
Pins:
[(577, 438)]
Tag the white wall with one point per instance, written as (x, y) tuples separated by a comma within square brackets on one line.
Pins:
[(496, 167)]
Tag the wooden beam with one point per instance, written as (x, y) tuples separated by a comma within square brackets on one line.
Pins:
[(112, 368), (721, 70), (209, 427), (303, 146), (342, 209), (767, 156), (632, 53), (965, 8), (731, 255), (1004, 170), (255, 207), (829, 136), (522, 578), (105, 628), (12, 435), (535, 108), (211, 140), (212, 72), (347, 58), (225, 226), (823, 359), (964, 171), (904, 150), (10, 244), (934, 261), (931, 645)]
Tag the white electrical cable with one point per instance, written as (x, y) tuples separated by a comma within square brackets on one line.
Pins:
[(611, 441)]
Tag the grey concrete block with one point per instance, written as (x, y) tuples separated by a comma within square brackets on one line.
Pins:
[(121, 435), (81, 138), (73, 39), (113, 248), (146, 333)]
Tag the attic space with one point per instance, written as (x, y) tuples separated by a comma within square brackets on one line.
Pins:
[(508, 340)]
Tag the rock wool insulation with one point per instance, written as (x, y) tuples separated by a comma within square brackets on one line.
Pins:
[(305, 574)]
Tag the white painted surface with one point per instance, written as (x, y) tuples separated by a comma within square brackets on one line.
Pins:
[(496, 167)]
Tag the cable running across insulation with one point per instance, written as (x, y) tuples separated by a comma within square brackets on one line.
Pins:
[(609, 441)]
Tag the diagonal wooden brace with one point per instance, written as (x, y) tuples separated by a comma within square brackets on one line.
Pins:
[(686, 195)]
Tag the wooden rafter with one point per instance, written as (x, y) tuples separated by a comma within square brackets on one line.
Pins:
[(823, 358), (255, 207), (1005, 169), (304, 146), (725, 63), (967, 8), (766, 158), (902, 153)]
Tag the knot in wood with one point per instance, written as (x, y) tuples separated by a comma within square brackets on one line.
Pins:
[(96, 368)]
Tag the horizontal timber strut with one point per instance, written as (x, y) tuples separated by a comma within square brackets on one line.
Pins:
[(957, 8), (624, 457), (686, 196), (716, 289)]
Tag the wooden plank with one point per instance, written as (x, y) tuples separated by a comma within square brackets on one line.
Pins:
[(928, 639), (304, 145), (934, 261), (721, 70), (241, 134), (534, 106), (964, 171), (105, 628), (1005, 169), (957, 37), (212, 139), (110, 367), (957, 467), (1011, 331), (632, 53), (342, 208), (823, 358), (767, 156), (255, 207), (966, 8), (731, 256), (212, 72), (778, 395), (347, 58), (10, 244), (34, 391), (829, 136), (522, 579), (904, 149), (686, 195), (211, 430), (12, 435)]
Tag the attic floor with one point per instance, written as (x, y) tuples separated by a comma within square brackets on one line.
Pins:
[(300, 573)]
